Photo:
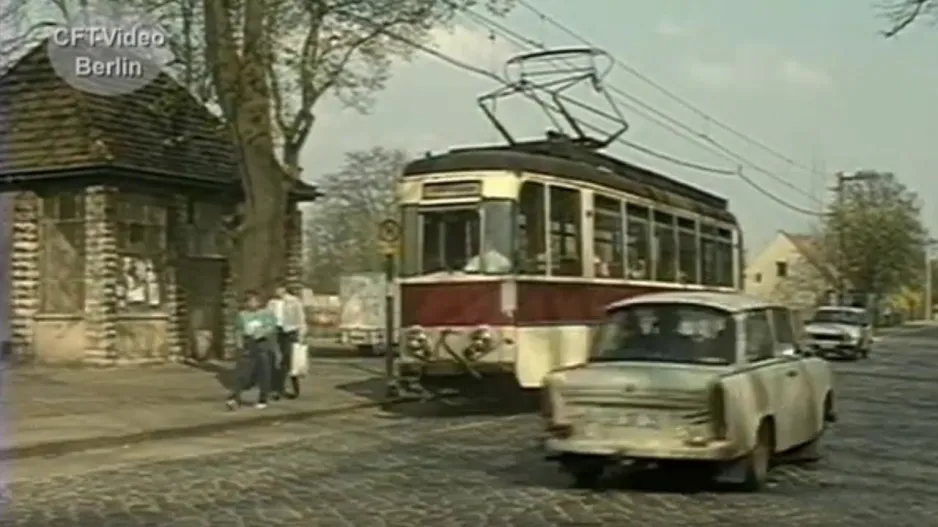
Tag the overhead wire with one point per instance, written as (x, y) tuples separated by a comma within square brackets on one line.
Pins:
[(664, 91), (471, 68), (663, 120)]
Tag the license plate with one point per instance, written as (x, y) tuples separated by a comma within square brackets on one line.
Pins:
[(827, 344), (627, 419)]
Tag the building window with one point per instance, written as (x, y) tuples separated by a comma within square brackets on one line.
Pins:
[(758, 278), (638, 250), (532, 234), (781, 269), (565, 234), (607, 238), (141, 246), (206, 236), (62, 253)]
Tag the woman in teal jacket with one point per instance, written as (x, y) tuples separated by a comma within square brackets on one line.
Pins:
[(256, 328)]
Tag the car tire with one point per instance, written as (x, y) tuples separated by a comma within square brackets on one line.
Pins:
[(759, 460), (586, 471)]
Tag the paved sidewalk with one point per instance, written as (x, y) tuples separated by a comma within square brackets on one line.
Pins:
[(50, 411)]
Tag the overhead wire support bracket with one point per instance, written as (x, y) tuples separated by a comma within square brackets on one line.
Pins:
[(536, 75)]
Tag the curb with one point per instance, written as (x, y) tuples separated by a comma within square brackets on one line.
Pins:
[(58, 448)]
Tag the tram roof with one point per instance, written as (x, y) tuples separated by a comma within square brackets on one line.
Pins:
[(567, 160)]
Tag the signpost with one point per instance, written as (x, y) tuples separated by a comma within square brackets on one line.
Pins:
[(389, 236)]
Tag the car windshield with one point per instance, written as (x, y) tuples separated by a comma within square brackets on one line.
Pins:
[(667, 332), (838, 316)]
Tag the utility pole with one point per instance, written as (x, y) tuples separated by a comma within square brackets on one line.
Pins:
[(928, 278), (840, 189)]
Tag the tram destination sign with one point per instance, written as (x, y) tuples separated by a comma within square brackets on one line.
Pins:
[(452, 189)]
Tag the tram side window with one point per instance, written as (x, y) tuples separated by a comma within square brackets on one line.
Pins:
[(709, 274), (665, 246), (725, 256), (607, 238), (565, 232), (638, 249), (687, 250), (531, 232)]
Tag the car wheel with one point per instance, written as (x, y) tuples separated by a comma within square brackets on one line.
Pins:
[(585, 470), (758, 461)]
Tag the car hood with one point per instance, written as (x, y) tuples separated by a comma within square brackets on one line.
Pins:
[(830, 328), (636, 377)]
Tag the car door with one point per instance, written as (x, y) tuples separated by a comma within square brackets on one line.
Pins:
[(769, 371), (798, 391)]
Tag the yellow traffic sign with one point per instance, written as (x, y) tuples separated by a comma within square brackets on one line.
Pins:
[(388, 249), (389, 232)]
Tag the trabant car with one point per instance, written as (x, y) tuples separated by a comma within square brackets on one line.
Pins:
[(840, 331), (716, 379)]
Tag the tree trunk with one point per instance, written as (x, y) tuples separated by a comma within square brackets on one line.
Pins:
[(262, 251)]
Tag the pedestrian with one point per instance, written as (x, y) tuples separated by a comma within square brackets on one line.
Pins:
[(257, 330), (291, 329)]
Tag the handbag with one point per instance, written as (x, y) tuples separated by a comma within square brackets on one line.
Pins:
[(299, 366)]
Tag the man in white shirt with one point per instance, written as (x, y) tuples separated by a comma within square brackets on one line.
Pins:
[(291, 328), (490, 261)]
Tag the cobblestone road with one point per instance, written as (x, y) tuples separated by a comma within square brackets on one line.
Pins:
[(475, 471)]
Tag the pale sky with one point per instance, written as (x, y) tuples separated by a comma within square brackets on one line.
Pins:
[(813, 80)]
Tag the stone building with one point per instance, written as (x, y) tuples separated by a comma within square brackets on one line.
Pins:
[(117, 222)]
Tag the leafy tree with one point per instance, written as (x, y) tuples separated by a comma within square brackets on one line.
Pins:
[(265, 65), (874, 236), (341, 228)]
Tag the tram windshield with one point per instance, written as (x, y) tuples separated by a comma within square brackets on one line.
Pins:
[(469, 239)]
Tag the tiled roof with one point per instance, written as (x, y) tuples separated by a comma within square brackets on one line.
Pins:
[(161, 129)]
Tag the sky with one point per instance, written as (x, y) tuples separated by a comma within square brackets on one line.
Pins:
[(814, 81)]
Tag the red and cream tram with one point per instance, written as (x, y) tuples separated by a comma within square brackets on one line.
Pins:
[(510, 253)]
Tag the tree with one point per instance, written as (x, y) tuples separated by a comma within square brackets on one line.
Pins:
[(903, 13), (265, 64), (341, 230), (874, 236)]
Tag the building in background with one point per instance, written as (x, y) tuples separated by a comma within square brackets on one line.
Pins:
[(791, 269)]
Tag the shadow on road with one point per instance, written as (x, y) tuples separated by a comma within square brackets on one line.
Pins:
[(480, 401)]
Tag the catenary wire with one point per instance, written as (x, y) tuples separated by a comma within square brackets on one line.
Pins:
[(662, 119), (666, 92), (471, 68)]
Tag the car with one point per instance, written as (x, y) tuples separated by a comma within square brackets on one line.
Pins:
[(840, 332), (716, 381)]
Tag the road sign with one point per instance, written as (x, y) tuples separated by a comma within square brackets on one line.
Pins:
[(388, 249), (389, 232)]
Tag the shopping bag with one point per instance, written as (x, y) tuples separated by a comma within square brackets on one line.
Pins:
[(299, 366)]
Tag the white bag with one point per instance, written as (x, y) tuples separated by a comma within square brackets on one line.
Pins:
[(299, 365)]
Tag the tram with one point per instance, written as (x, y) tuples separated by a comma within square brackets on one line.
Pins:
[(510, 252)]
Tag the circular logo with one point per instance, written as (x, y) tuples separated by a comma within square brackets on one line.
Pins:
[(110, 51)]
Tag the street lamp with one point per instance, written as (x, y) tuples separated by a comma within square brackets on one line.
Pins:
[(842, 180)]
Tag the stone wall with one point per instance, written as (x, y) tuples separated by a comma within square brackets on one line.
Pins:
[(101, 270), (24, 270)]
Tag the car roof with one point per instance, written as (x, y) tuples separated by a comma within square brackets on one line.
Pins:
[(731, 302), (842, 308)]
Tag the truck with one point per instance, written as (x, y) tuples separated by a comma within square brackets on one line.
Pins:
[(362, 311)]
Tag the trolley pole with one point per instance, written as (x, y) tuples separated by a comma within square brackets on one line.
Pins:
[(389, 235)]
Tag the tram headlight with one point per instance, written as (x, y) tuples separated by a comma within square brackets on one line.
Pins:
[(416, 339), (481, 341)]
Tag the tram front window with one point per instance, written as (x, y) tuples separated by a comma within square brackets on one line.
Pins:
[(454, 239)]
